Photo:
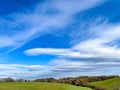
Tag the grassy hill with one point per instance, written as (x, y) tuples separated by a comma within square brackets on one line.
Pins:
[(38, 86), (109, 84)]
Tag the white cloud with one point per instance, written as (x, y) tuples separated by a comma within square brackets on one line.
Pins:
[(26, 26), (38, 22), (22, 71), (57, 68), (49, 51), (98, 46), (6, 41), (61, 64), (108, 63), (38, 71), (60, 52), (95, 47), (16, 67)]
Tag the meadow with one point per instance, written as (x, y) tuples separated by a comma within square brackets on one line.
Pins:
[(110, 84), (38, 86)]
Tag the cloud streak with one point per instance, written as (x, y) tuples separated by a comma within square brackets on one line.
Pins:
[(102, 43), (26, 26), (56, 68), (59, 68), (98, 47)]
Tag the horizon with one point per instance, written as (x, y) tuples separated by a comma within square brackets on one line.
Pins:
[(59, 38)]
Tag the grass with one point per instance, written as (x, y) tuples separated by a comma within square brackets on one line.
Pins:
[(38, 86), (109, 84)]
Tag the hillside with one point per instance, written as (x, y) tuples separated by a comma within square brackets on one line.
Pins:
[(109, 84), (38, 86)]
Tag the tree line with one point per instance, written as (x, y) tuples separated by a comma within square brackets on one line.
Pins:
[(78, 81)]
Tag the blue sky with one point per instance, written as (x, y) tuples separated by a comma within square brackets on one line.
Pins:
[(59, 38)]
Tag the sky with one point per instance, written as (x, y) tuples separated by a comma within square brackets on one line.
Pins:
[(59, 38)]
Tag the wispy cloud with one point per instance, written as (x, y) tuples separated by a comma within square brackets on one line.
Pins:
[(21, 71), (90, 48), (58, 68), (102, 43), (108, 63), (60, 52), (49, 51), (22, 27), (6, 42), (103, 46), (99, 45)]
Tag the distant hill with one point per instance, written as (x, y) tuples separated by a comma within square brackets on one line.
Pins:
[(110, 84), (38, 86)]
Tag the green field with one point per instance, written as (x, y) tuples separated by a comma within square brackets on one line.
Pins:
[(109, 84), (38, 86)]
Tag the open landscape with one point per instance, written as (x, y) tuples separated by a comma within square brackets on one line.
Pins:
[(70, 83), (39, 86), (59, 44)]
